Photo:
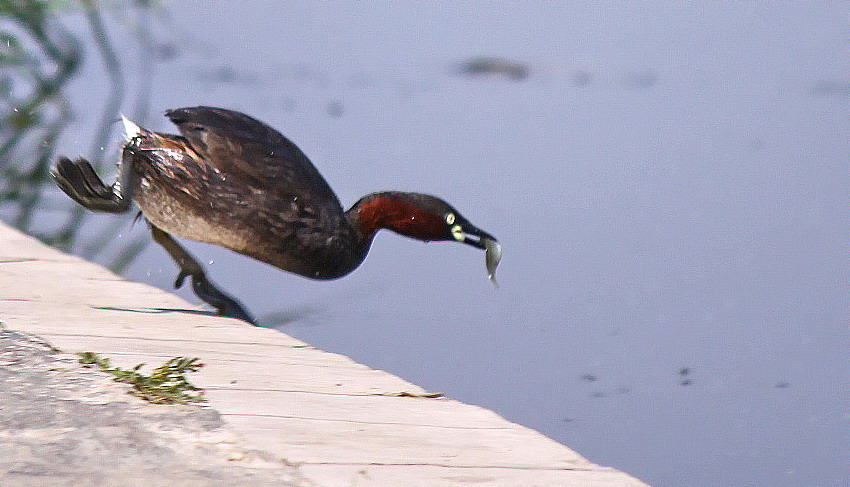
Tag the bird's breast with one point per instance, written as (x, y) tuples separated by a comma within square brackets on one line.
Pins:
[(190, 221)]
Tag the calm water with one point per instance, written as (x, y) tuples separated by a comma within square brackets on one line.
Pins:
[(669, 185)]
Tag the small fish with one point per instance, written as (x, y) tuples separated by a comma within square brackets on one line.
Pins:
[(492, 256)]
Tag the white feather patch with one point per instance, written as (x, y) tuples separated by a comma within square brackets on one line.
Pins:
[(131, 129)]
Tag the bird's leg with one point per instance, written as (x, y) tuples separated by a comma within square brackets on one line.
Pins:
[(204, 289), (79, 181)]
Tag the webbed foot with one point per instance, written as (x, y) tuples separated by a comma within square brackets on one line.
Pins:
[(223, 303), (79, 181), (203, 287)]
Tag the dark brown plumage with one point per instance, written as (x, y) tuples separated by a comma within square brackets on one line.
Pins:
[(233, 181)]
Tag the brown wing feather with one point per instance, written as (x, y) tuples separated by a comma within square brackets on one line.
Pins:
[(254, 153), (233, 181)]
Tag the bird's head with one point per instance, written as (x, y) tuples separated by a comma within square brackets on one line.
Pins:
[(427, 218)]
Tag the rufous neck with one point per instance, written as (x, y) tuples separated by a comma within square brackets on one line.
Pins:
[(393, 211)]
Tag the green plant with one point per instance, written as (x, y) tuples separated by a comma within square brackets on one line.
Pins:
[(167, 384)]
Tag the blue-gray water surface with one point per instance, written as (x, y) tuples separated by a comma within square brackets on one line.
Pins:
[(669, 184)]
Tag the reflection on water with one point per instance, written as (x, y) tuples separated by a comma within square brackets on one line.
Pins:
[(829, 88), (39, 57), (493, 66)]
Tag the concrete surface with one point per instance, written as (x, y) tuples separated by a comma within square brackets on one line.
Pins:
[(64, 425), (279, 410)]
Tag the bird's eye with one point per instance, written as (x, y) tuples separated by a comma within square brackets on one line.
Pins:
[(450, 218)]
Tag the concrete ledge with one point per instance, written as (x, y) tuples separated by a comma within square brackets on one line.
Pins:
[(339, 422)]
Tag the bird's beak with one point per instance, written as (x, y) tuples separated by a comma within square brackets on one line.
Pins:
[(468, 234)]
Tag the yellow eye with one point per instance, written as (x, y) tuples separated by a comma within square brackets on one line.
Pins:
[(450, 219), (457, 233)]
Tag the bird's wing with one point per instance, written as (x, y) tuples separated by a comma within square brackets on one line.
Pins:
[(251, 153)]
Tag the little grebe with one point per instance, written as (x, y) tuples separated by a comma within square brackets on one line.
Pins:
[(233, 181)]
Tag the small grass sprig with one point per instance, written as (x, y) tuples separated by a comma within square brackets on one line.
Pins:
[(167, 384)]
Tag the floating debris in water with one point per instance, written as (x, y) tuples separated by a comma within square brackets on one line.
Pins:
[(581, 77), (826, 88), (640, 80), (684, 372), (226, 74), (494, 66), (335, 109)]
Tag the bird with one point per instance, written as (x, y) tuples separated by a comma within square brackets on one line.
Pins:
[(231, 180)]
